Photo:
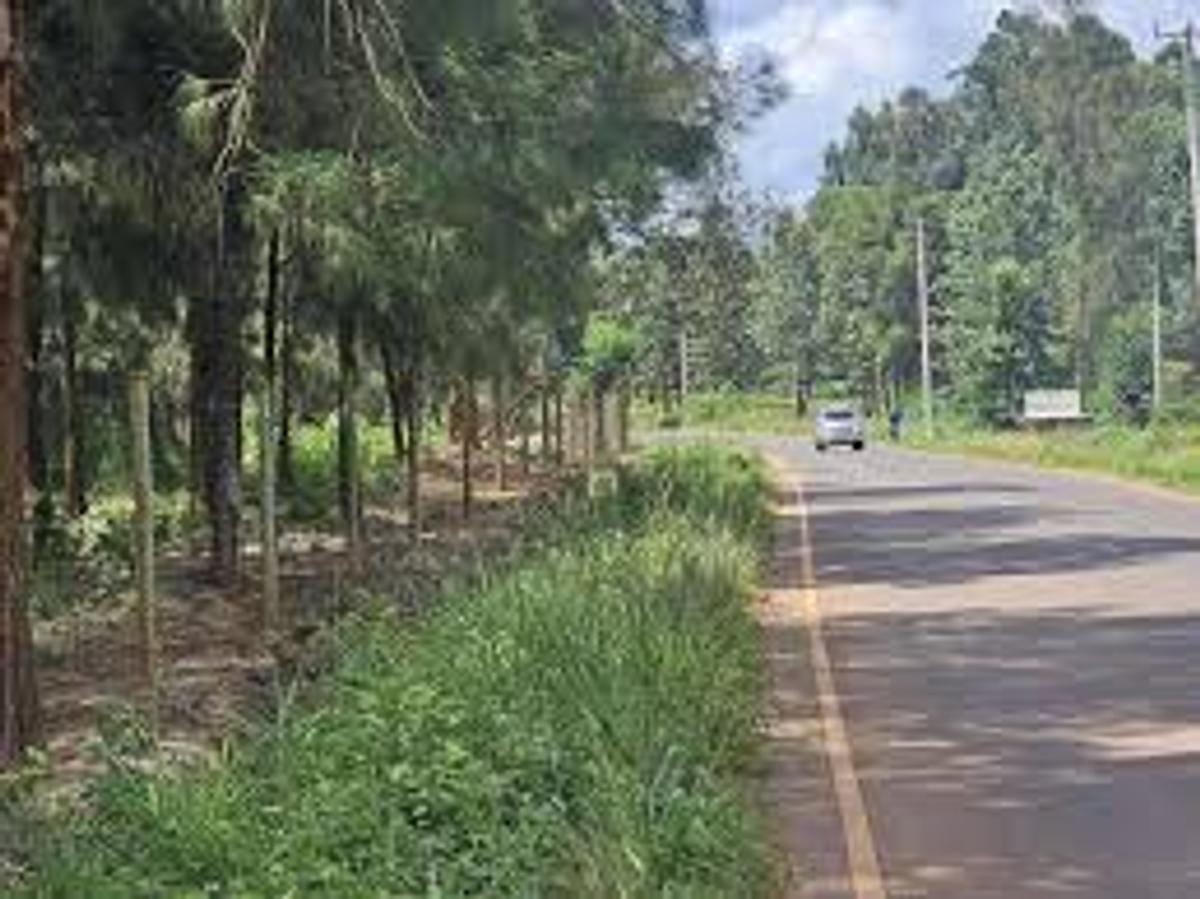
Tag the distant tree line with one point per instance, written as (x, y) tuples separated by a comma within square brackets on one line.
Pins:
[(1053, 183)]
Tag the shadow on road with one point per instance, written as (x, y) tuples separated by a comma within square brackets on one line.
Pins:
[(1010, 744), (911, 547), (1055, 754), (840, 493)]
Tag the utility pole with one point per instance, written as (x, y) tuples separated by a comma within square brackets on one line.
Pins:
[(1193, 128), (1187, 39), (923, 300)]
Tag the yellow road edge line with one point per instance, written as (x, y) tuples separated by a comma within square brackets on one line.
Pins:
[(866, 875)]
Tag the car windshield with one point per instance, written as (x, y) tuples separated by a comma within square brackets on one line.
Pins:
[(838, 415)]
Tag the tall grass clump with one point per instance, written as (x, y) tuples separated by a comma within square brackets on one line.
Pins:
[(576, 724)]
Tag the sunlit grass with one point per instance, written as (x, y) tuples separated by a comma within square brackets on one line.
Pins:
[(577, 722), (1164, 454), (743, 413)]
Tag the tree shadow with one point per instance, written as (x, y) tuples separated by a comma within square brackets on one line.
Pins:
[(1043, 748), (830, 491), (916, 547), (1049, 754)]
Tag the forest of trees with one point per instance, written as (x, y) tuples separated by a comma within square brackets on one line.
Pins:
[(1053, 183), (295, 212), (309, 209)]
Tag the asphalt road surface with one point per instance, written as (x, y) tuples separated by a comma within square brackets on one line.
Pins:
[(1017, 663)]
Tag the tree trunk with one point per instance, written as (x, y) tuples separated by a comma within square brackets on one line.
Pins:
[(801, 388), (349, 499), (267, 445), (199, 381), (20, 719), (287, 379), (397, 405), (271, 312), (413, 447), (35, 403), (270, 530), (500, 432), (143, 502), (559, 458), (624, 408), (600, 426), (586, 416), (547, 425), (220, 382), (72, 417), (39, 469), (469, 425), (526, 426)]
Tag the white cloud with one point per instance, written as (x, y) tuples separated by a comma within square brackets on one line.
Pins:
[(818, 50), (837, 54)]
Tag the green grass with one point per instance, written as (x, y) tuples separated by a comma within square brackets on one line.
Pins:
[(88, 560), (1164, 454), (577, 722), (745, 413), (313, 497)]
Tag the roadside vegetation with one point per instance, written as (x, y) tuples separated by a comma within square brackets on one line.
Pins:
[(730, 410), (578, 720), (1165, 454), (256, 251), (1043, 201)]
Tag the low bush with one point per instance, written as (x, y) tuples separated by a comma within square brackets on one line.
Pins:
[(89, 558), (313, 496), (577, 723)]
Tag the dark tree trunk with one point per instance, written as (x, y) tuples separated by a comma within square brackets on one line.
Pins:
[(74, 489), (348, 486), (20, 720), (470, 426), (221, 383), (559, 458), (269, 609), (413, 479), (39, 468), (199, 324), (271, 314), (35, 405), (397, 402), (287, 362), (624, 411), (500, 432), (547, 425), (526, 427)]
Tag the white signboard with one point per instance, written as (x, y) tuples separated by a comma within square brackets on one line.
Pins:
[(1053, 405)]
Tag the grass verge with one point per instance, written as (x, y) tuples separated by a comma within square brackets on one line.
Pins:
[(741, 413), (1167, 455), (577, 723)]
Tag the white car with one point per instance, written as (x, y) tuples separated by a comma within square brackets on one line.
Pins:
[(840, 426)]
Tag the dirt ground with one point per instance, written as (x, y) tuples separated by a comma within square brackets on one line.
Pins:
[(217, 673)]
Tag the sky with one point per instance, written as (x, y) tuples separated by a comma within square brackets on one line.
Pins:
[(837, 54)]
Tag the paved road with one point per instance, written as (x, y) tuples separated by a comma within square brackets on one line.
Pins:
[(1018, 659)]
